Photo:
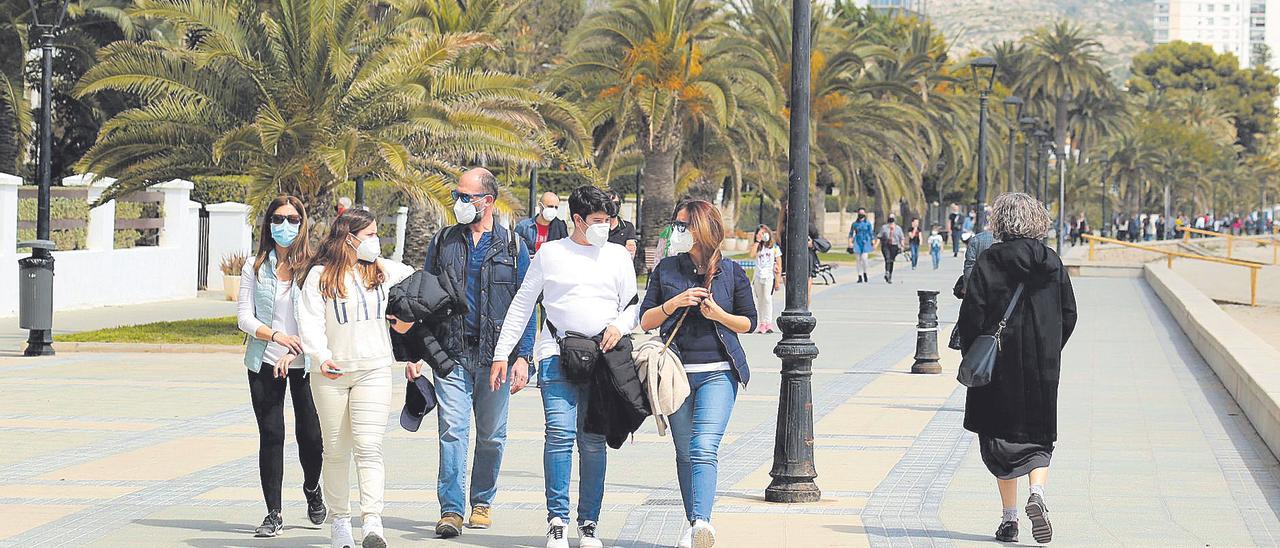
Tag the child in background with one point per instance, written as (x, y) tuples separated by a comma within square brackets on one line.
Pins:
[(935, 245)]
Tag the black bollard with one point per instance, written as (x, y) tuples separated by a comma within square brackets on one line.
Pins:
[(927, 335)]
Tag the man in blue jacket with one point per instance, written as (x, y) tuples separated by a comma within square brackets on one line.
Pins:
[(493, 262)]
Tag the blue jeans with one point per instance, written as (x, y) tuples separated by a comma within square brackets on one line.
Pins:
[(696, 429), (915, 255), (564, 404), (463, 391), (936, 253)]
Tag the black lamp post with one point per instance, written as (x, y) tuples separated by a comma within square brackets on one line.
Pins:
[(1062, 195), (1105, 222), (1028, 127), (1041, 164), (40, 341), (983, 71), (1012, 113), (533, 192), (793, 466)]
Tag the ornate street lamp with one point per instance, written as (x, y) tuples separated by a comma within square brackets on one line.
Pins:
[(1013, 113), (40, 340), (793, 469), (1028, 124), (983, 70)]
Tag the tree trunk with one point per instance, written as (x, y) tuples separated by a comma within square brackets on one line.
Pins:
[(659, 180), (418, 232)]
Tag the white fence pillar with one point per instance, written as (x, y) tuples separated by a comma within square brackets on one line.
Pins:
[(229, 232), (8, 243), (178, 222), (100, 234), (402, 221)]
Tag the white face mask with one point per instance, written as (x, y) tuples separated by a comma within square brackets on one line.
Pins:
[(598, 234), (549, 213), (466, 212), (681, 241), (369, 249)]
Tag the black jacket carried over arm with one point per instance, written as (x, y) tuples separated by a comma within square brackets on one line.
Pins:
[(616, 402), (425, 300), (1021, 403)]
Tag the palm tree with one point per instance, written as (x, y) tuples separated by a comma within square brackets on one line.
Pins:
[(1063, 65), (654, 72), (305, 95)]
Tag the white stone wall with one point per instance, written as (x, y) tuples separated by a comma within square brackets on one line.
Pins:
[(101, 275)]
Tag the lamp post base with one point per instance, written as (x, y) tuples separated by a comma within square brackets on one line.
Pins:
[(785, 489), (39, 343)]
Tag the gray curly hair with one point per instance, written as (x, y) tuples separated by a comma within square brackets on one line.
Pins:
[(1018, 215)]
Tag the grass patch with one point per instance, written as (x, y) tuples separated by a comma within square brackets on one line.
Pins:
[(222, 331)]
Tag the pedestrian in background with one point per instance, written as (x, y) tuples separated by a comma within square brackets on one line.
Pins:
[(860, 234), (860, 243), (767, 277), (891, 240), (1016, 414), (343, 324), (914, 238), (267, 312), (935, 245), (703, 301)]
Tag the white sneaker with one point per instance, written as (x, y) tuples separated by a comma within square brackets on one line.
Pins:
[(587, 536), (342, 533), (686, 540), (704, 535), (555, 534), (372, 529)]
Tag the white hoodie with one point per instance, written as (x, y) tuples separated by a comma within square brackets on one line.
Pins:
[(351, 331)]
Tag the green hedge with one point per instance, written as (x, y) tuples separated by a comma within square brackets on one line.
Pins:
[(59, 209)]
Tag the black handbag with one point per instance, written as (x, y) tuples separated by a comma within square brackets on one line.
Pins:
[(579, 354), (978, 363)]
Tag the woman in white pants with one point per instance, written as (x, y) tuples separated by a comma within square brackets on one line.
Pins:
[(342, 320), (767, 277)]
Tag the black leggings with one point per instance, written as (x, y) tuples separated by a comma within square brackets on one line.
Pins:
[(890, 254), (267, 393)]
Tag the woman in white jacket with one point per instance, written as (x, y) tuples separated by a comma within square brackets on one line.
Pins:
[(342, 320)]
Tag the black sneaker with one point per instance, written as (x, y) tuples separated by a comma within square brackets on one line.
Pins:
[(1008, 532), (271, 525), (1038, 513), (316, 510)]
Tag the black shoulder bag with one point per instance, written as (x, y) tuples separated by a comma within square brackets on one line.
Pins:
[(979, 361)]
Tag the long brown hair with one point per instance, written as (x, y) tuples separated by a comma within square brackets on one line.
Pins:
[(297, 257), (338, 256), (770, 243), (707, 228)]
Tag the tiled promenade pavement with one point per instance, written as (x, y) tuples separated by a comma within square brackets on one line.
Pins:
[(160, 450)]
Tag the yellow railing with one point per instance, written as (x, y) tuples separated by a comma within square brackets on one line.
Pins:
[(1171, 255), (1274, 237)]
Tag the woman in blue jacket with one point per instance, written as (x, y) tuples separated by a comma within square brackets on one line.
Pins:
[(861, 235), (267, 312), (708, 298)]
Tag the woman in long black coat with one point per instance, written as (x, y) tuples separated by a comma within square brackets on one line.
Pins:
[(1016, 415)]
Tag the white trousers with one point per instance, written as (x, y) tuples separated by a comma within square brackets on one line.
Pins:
[(353, 412), (763, 291)]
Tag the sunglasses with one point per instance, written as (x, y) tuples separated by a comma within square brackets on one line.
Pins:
[(465, 198), (280, 219)]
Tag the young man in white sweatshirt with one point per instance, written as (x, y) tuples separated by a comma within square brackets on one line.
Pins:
[(588, 286)]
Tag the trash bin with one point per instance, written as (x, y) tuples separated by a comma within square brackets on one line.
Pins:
[(35, 288)]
